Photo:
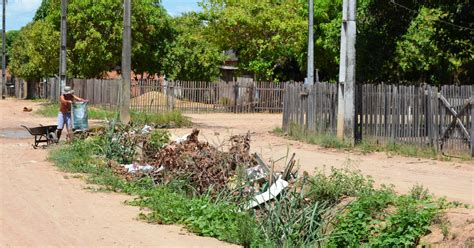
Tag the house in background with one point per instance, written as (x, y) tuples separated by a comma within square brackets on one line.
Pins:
[(230, 71)]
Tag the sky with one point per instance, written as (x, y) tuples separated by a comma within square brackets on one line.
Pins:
[(20, 12)]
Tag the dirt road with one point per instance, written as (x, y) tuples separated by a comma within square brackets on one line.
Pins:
[(41, 206), (455, 180)]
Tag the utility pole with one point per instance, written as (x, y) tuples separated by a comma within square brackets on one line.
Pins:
[(310, 69), (3, 88), (126, 63), (347, 73), (62, 51)]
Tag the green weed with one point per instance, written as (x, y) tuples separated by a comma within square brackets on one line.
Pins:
[(325, 140), (380, 218), (366, 146), (159, 138), (410, 150), (340, 183), (292, 222), (170, 119)]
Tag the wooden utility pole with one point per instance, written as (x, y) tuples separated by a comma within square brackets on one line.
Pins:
[(3, 88), (347, 73), (62, 51), (310, 67), (126, 63)]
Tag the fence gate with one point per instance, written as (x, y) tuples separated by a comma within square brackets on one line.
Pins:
[(456, 118)]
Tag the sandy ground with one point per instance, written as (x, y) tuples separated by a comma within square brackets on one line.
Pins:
[(454, 179), (41, 206)]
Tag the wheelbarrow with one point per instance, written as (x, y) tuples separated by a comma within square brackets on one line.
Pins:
[(43, 134)]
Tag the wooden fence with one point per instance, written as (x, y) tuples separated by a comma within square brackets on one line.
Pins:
[(313, 108), (188, 97), (423, 115)]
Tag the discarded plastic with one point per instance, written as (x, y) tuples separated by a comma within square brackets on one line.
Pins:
[(181, 139), (146, 129), (133, 168), (256, 173), (270, 194)]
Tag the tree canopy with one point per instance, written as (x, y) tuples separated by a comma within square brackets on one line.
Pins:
[(397, 41), (34, 51)]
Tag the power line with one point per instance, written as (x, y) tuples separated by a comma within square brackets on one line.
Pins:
[(442, 21)]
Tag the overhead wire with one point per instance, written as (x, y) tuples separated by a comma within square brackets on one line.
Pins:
[(442, 21)]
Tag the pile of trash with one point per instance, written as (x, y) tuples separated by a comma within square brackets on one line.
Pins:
[(207, 168), (203, 165)]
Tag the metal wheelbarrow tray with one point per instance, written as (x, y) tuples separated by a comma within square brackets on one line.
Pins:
[(43, 134)]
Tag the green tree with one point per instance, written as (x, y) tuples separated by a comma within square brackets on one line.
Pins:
[(34, 51), (192, 56), (268, 36), (95, 34), (416, 52), (10, 37)]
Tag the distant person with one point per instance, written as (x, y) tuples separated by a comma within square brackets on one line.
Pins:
[(64, 115)]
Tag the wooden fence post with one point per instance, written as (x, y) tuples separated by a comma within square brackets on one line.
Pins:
[(236, 95), (170, 92), (429, 114), (251, 96), (472, 123)]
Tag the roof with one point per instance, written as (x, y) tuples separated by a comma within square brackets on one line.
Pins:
[(228, 67)]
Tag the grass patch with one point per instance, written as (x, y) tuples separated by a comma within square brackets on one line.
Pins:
[(326, 141), (410, 150), (365, 147), (172, 118)]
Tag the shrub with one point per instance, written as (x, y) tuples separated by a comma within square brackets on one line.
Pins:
[(380, 218), (338, 184)]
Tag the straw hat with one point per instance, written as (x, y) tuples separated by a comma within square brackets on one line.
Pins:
[(68, 90)]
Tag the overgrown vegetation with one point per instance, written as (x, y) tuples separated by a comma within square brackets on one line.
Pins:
[(170, 119), (337, 208), (326, 140), (172, 203), (380, 218), (331, 141)]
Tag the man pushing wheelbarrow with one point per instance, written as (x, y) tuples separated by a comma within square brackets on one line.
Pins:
[(64, 115)]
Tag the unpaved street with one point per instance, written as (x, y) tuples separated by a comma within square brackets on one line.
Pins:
[(41, 206), (455, 180)]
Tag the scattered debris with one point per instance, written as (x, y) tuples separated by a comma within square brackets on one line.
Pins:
[(202, 164), (133, 168), (270, 194), (146, 129), (207, 167)]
